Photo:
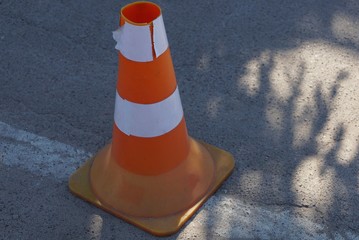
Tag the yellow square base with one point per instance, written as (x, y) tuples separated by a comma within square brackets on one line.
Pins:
[(224, 164)]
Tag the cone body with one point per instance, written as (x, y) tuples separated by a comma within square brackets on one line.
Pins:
[(152, 168)]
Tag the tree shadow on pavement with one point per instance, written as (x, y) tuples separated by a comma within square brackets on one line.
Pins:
[(274, 83)]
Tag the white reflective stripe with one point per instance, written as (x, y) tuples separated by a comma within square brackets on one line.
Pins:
[(148, 120), (159, 36), (135, 42)]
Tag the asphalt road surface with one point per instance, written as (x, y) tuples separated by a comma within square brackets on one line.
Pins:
[(276, 83)]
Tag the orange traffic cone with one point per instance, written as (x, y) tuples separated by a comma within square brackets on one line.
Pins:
[(152, 174)]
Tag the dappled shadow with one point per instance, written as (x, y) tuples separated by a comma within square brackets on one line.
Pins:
[(273, 82), (277, 89)]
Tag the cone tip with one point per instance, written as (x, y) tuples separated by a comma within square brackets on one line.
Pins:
[(141, 13)]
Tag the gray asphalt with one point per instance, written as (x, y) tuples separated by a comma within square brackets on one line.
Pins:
[(273, 82)]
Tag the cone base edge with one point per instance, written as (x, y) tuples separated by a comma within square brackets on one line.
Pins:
[(79, 185)]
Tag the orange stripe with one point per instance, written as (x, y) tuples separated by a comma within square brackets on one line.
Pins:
[(151, 156), (146, 82)]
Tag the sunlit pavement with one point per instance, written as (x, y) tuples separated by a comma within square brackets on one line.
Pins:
[(273, 82)]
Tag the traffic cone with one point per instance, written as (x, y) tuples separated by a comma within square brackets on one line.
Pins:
[(152, 174)]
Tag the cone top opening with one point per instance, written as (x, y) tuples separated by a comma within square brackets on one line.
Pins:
[(140, 13)]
